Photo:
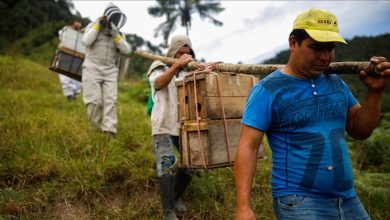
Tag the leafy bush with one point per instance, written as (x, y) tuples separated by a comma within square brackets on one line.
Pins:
[(373, 190), (139, 91), (374, 153)]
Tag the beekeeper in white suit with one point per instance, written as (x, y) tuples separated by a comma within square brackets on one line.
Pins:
[(103, 43), (70, 87)]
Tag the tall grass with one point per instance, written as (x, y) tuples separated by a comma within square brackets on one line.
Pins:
[(53, 165)]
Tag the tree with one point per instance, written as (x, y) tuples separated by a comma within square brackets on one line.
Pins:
[(181, 11)]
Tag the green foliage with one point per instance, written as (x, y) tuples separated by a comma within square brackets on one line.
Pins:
[(44, 53), (280, 58), (373, 188), (20, 17), (138, 65), (374, 153), (40, 37), (139, 91), (363, 48)]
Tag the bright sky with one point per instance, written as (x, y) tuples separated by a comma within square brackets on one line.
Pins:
[(253, 30)]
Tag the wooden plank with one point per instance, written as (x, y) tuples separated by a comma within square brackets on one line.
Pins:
[(193, 126), (200, 103), (71, 52), (234, 91), (210, 107), (234, 107), (217, 140), (184, 154), (181, 102), (230, 84), (213, 142), (194, 150)]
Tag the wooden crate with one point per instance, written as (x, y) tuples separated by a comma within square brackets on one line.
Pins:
[(69, 56), (234, 92), (68, 63), (213, 141)]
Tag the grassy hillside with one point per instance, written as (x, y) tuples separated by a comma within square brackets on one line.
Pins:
[(54, 166)]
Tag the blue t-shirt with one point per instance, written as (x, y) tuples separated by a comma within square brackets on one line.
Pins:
[(304, 121)]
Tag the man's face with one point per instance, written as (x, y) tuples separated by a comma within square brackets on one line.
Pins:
[(311, 58), (183, 50), (76, 25)]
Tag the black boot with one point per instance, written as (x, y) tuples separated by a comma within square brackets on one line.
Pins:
[(167, 194), (182, 180)]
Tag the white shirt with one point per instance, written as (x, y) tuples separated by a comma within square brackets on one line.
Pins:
[(164, 115)]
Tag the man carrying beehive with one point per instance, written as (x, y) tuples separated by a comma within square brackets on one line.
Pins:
[(165, 125), (103, 43), (305, 114), (70, 87)]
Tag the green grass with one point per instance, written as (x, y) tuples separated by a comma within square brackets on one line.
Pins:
[(54, 166), (373, 189)]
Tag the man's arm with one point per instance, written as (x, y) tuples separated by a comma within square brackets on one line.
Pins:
[(244, 170), (362, 119), (122, 45), (90, 34), (120, 40), (163, 80)]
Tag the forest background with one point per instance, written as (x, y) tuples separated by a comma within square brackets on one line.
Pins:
[(54, 166)]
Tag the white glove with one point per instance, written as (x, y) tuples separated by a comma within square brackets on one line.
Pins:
[(114, 30)]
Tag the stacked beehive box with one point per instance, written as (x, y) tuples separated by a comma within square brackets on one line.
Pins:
[(210, 111), (69, 55)]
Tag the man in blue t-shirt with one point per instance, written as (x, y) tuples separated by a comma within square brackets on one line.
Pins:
[(305, 114)]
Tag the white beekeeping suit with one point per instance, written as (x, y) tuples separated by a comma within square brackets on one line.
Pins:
[(103, 44), (70, 87)]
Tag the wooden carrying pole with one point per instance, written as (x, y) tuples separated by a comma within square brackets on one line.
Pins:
[(258, 69)]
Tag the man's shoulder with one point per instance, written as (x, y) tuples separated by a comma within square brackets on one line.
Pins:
[(277, 81), (156, 65), (272, 77), (333, 78)]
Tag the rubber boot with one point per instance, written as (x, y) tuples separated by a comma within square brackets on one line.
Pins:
[(166, 192), (182, 180)]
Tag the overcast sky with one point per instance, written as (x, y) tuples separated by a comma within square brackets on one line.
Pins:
[(252, 30)]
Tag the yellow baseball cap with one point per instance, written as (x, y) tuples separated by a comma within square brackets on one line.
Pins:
[(321, 25)]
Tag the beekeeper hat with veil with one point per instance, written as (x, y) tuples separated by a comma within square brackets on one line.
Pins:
[(115, 15)]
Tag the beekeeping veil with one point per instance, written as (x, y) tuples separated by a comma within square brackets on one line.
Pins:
[(115, 15)]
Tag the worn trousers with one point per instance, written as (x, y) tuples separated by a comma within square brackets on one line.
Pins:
[(163, 145), (100, 90), (298, 207)]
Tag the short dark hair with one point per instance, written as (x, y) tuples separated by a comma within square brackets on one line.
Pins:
[(299, 35)]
